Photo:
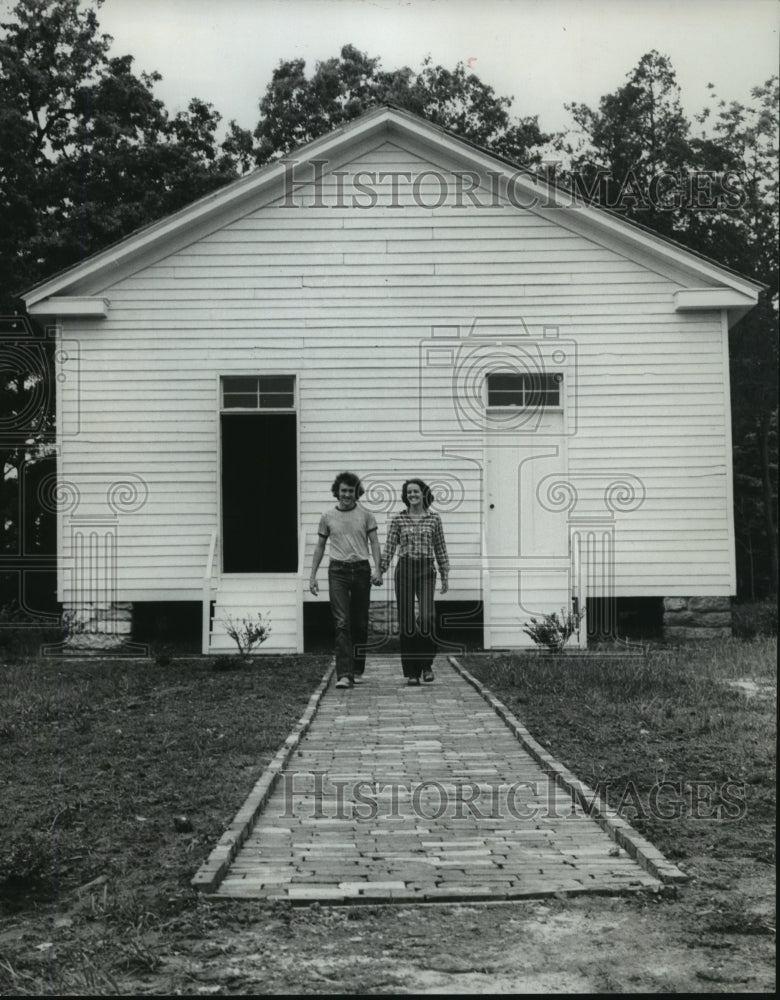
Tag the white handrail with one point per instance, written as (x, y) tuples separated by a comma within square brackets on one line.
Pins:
[(486, 597), (301, 551), (300, 588), (206, 593)]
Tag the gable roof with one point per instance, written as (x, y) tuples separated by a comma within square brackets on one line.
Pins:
[(738, 293)]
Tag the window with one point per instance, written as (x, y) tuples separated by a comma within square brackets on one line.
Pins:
[(526, 389), (258, 392)]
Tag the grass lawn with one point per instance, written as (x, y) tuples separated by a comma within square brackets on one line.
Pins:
[(124, 774), (118, 778), (682, 741)]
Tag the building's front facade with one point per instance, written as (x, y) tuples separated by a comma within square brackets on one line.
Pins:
[(397, 303)]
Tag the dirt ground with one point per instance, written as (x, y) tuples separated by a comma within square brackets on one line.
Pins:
[(580, 945), (699, 941)]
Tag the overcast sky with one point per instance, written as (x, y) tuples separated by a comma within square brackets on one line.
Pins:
[(544, 53)]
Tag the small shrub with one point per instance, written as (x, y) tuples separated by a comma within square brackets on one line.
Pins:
[(554, 631), (247, 633)]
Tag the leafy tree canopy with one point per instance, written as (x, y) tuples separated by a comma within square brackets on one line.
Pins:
[(712, 185), (295, 109), (87, 152), (744, 139)]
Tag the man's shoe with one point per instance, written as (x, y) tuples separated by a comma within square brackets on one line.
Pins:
[(428, 675), (343, 682), (359, 679), (412, 682)]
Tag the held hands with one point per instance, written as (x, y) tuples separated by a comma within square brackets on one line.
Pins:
[(376, 579)]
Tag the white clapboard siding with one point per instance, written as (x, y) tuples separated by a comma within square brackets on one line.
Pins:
[(516, 597), (347, 299), (275, 596)]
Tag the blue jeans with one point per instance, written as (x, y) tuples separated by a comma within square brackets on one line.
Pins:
[(416, 578), (350, 595)]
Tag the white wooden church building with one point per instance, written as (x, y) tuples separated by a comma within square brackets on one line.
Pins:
[(393, 301)]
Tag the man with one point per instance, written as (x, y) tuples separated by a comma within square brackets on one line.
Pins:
[(351, 530)]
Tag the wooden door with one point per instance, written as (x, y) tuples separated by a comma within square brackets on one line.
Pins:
[(528, 565)]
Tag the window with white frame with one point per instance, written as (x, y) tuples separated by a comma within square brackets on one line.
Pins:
[(524, 389), (258, 392)]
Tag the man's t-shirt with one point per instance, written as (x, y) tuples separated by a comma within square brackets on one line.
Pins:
[(348, 532)]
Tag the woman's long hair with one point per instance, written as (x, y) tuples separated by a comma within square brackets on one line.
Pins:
[(427, 494)]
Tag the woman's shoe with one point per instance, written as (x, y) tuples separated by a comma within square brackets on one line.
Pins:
[(428, 675)]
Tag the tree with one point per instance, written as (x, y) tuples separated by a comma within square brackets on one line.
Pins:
[(295, 110), (638, 136), (76, 127), (713, 187), (87, 154), (744, 140)]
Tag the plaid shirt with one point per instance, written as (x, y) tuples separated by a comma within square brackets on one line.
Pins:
[(417, 538)]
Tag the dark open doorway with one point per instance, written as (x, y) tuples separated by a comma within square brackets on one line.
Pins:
[(259, 493)]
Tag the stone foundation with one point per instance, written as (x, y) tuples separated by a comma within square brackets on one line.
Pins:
[(688, 619), (98, 625)]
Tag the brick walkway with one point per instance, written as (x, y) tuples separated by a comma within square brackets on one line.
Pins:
[(420, 794)]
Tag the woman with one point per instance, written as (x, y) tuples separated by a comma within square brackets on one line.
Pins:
[(418, 535)]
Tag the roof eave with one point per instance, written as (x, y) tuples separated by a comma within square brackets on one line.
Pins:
[(548, 200), (245, 188)]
